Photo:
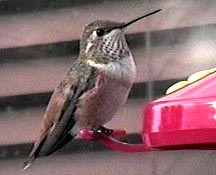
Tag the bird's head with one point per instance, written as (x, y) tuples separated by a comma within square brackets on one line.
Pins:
[(105, 39)]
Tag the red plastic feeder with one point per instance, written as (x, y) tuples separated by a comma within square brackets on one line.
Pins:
[(183, 119)]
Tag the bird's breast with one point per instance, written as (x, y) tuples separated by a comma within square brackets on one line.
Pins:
[(112, 86), (98, 106)]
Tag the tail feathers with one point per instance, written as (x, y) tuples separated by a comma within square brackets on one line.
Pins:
[(28, 163), (34, 153), (58, 145), (61, 143)]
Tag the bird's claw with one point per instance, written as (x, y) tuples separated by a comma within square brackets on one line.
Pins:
[(102, 131)]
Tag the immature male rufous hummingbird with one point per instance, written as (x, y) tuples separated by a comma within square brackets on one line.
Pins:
[(92, 91)]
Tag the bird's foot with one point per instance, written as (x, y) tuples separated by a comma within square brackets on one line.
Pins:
[(102, 131)]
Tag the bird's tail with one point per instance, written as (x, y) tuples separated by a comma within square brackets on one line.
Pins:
[(28, 163), (38, 152), (34, 153)]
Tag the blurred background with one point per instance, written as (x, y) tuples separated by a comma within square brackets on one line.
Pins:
[(39, 40)]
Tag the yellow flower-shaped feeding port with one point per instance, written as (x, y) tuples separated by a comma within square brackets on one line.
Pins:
[(191, 79)]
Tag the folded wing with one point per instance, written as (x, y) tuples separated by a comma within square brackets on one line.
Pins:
[(59, 116)]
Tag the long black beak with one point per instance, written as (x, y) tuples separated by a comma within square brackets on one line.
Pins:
[(136, 19)]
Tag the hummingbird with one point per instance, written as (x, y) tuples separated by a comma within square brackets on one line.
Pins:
[(94, 88)]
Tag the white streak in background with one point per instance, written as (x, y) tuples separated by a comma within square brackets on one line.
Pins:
[(202, 52), (201, 46)]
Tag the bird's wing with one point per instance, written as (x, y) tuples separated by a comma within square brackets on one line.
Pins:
[(58, 118)]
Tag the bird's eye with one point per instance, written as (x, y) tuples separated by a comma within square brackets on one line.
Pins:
[(100, 32)]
